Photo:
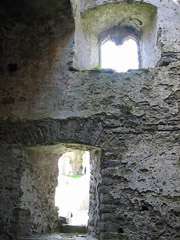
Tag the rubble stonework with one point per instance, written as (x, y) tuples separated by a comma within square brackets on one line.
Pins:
[(129, 122)]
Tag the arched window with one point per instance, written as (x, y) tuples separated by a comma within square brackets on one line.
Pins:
[(120, 57), (135, 23)]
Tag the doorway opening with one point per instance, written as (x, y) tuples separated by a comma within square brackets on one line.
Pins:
[(72, 191), (38, 213), (121, 57)]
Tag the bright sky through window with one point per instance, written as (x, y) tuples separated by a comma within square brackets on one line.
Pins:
[(121, 57)]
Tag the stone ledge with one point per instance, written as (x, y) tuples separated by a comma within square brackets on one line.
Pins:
[(59, 236)]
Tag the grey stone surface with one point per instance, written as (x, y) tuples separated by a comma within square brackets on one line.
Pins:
[(151, 94), (134, 185), (160, 37), (130, 123), (115, 21), (60, 236)]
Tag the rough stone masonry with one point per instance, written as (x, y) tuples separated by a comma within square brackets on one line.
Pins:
[(130, 122)]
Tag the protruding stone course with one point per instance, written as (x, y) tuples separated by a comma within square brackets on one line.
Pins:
[(169, 57)]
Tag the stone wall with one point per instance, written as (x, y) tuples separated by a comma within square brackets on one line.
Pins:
[(132, 118), (152, 94), (37, 37), (42, 87), (162, 35), (38, 185), (112, 20), (137, 194), (166, 10), (94, 194), (11, 169), (29, 180)]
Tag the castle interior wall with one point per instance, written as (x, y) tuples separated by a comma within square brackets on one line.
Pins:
[(129, 122)]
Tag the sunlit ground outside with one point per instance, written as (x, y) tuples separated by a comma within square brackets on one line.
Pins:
[(72, 192), (120, 58)]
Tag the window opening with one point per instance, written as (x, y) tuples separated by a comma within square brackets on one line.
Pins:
[(72, 192), (121, 57)]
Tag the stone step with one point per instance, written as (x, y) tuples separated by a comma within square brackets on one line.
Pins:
[(42, 237), (68, 228), (59, 236)]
